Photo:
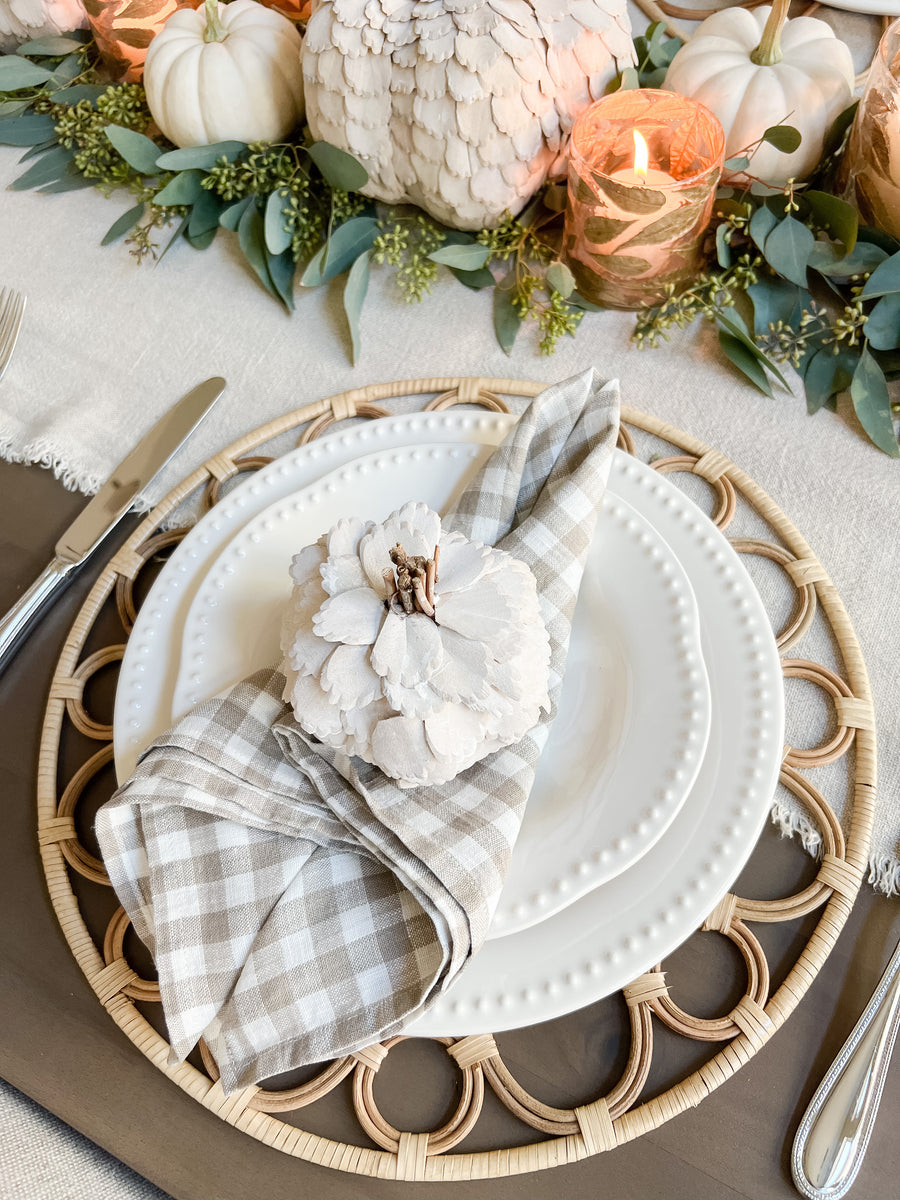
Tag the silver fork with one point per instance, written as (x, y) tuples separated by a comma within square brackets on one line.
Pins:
[(12, 307)]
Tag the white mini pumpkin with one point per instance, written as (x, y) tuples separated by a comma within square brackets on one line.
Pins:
[(225, 72), (462, 107), (756, 69)]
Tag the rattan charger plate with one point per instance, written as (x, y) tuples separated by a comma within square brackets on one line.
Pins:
[(570, 1134)]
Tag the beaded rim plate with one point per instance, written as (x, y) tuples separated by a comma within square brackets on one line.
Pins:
[(599, 800), (595, 944), (612, 1115)]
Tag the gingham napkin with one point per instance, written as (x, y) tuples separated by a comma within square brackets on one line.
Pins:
[(296, 912)]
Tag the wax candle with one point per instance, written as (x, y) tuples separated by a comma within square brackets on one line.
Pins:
[(643, 169), (870, 171)]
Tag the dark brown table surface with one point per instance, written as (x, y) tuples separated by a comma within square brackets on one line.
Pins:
[(59, 1046)]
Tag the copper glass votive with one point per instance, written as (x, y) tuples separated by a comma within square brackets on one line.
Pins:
[(630, 233), (870, 172)]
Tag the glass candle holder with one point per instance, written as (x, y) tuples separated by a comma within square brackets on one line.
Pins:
[(870, 171), (123, 29), (629, 234)]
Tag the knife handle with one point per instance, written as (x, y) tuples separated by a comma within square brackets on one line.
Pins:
[(16, 623)]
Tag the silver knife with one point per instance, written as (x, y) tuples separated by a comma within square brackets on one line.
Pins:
[(101, 515)]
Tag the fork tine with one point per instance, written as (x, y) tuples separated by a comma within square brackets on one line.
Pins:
[(12, 308)]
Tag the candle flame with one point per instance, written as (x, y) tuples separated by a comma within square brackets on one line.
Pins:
[(641, 156)]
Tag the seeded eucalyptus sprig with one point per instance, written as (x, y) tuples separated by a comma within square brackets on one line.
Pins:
[(791, 277)]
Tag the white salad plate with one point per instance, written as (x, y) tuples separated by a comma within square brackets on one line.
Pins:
[(601, 941), (599, 800)]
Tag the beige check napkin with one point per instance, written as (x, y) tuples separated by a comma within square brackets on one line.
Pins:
[(298, 907)]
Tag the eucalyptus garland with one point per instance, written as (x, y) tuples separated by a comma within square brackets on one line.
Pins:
[(792, 277)]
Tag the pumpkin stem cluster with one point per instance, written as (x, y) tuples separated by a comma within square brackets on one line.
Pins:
[(768, 52), (412, 590)]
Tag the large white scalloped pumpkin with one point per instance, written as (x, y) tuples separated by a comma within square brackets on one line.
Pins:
[(756, 69), (225, 72), (462, 107)]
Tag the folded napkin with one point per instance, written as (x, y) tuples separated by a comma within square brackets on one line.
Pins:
[(300, 904)]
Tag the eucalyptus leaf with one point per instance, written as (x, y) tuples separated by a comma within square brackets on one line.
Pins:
[(39, 149), (561, 279), (507, 318), (827, 375), (761, 225), (785, 138), (882, 329), (282, 270), (27, 130), (184, 188), (49, 47), (252, 241), (775, 300), (180, 228), (476, 280), (138, 151), (346, 244), (869, 393), (205, 215), (879, 237), (278, 235), (733, 324), (64, 73), (200, 240), (884, 279), (49, 167), (339, 169), (839, 127), (123, 224), (18, 73), (579, 301), (13, 108), (312, 275), (638, 200), (839, 219), (745, 361), (828, 260), (79, 92), (200, 158), (230, 217), (629, 81), (739, 163), (788, 248), (466, 258), (354, 296), (70, 181)]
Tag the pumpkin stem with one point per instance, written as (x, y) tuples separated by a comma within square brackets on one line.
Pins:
[(768, 52), (215, 30)]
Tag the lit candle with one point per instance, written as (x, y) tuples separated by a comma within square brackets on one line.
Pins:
[(642, 174), (643, 169)]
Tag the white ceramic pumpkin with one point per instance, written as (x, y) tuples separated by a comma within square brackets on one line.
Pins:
[(462, 107), (756, 69), (225, 72)]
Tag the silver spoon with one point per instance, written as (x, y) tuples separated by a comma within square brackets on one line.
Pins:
[(834, 1133)]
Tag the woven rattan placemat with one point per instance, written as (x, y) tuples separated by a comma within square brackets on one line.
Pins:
[(71, 768)]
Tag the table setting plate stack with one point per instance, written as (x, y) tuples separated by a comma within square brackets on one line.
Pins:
[(650, 797)]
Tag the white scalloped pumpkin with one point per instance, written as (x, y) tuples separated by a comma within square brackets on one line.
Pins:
[(225, 72), (756, 69)]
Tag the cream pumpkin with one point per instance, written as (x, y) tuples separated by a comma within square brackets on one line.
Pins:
[(225, 72), (757, 69), (462, 107)]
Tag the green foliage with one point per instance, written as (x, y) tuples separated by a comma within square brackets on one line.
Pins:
[(790, 278)]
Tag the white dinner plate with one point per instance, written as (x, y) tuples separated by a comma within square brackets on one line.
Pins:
[(597, 944), (599, 800)]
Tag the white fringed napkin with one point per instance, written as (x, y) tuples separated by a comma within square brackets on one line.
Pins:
[(300, 905)]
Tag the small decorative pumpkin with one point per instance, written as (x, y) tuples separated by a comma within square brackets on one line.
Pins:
[(413, 648), (756, 69), (462, 107), (226, 71)]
